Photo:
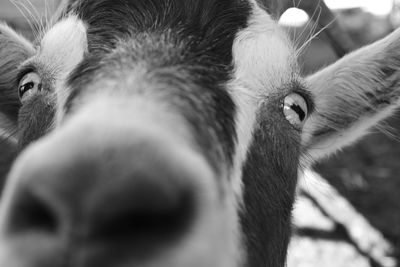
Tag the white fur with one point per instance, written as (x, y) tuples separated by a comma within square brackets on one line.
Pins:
[(65, 44), (62, 49), (263, 59)]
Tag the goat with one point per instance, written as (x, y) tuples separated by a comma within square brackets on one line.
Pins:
[(170, 132)]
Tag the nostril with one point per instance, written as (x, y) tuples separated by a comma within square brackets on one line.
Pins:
[(32, 214), (148, 215)]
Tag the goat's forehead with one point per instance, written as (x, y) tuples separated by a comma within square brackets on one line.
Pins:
[(258, 48)]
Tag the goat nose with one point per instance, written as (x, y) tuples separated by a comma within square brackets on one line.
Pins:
[(137, 195)]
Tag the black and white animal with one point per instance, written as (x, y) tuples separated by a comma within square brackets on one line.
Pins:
[(170, 133)]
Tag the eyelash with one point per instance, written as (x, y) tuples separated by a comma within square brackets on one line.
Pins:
[(24, 71)]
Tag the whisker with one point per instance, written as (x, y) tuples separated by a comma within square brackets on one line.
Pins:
[(28, 20), (313, 28), (314, 24), (315, 35), (36, 14), (388, 130), (298, 4), (45, 11)]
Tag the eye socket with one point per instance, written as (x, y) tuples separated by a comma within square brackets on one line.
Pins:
[(295, 109), (30, 84)]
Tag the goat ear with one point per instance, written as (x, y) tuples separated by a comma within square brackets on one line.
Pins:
[(352, 95), (14, 49)]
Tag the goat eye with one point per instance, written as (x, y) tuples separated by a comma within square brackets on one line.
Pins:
[(30, 84), (295, 109)]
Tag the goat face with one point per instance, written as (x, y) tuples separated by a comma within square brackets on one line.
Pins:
[(166, 133)]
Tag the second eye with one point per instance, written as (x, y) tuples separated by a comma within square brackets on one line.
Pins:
[(295, 109), (30, 84)]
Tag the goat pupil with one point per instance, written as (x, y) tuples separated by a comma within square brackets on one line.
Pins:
[(26, 87), (29, 86), (299, 111)]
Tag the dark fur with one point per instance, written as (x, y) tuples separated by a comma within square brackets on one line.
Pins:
[(193, 39), (36, 118), (269, 178)]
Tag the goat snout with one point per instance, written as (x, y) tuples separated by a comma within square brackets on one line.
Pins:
[(86, 201)]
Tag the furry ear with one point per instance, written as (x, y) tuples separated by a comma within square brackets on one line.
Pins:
[(351, 96), (14, 49)]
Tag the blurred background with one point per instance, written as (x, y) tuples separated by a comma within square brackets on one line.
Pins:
[(341, 223), (348, 210)]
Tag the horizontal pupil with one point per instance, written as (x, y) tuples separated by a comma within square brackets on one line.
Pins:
[(26, 87), (29, 86), (299, 111)]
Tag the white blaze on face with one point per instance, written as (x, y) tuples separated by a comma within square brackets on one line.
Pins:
[(264, 59), (65, 44), (62, 49)]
